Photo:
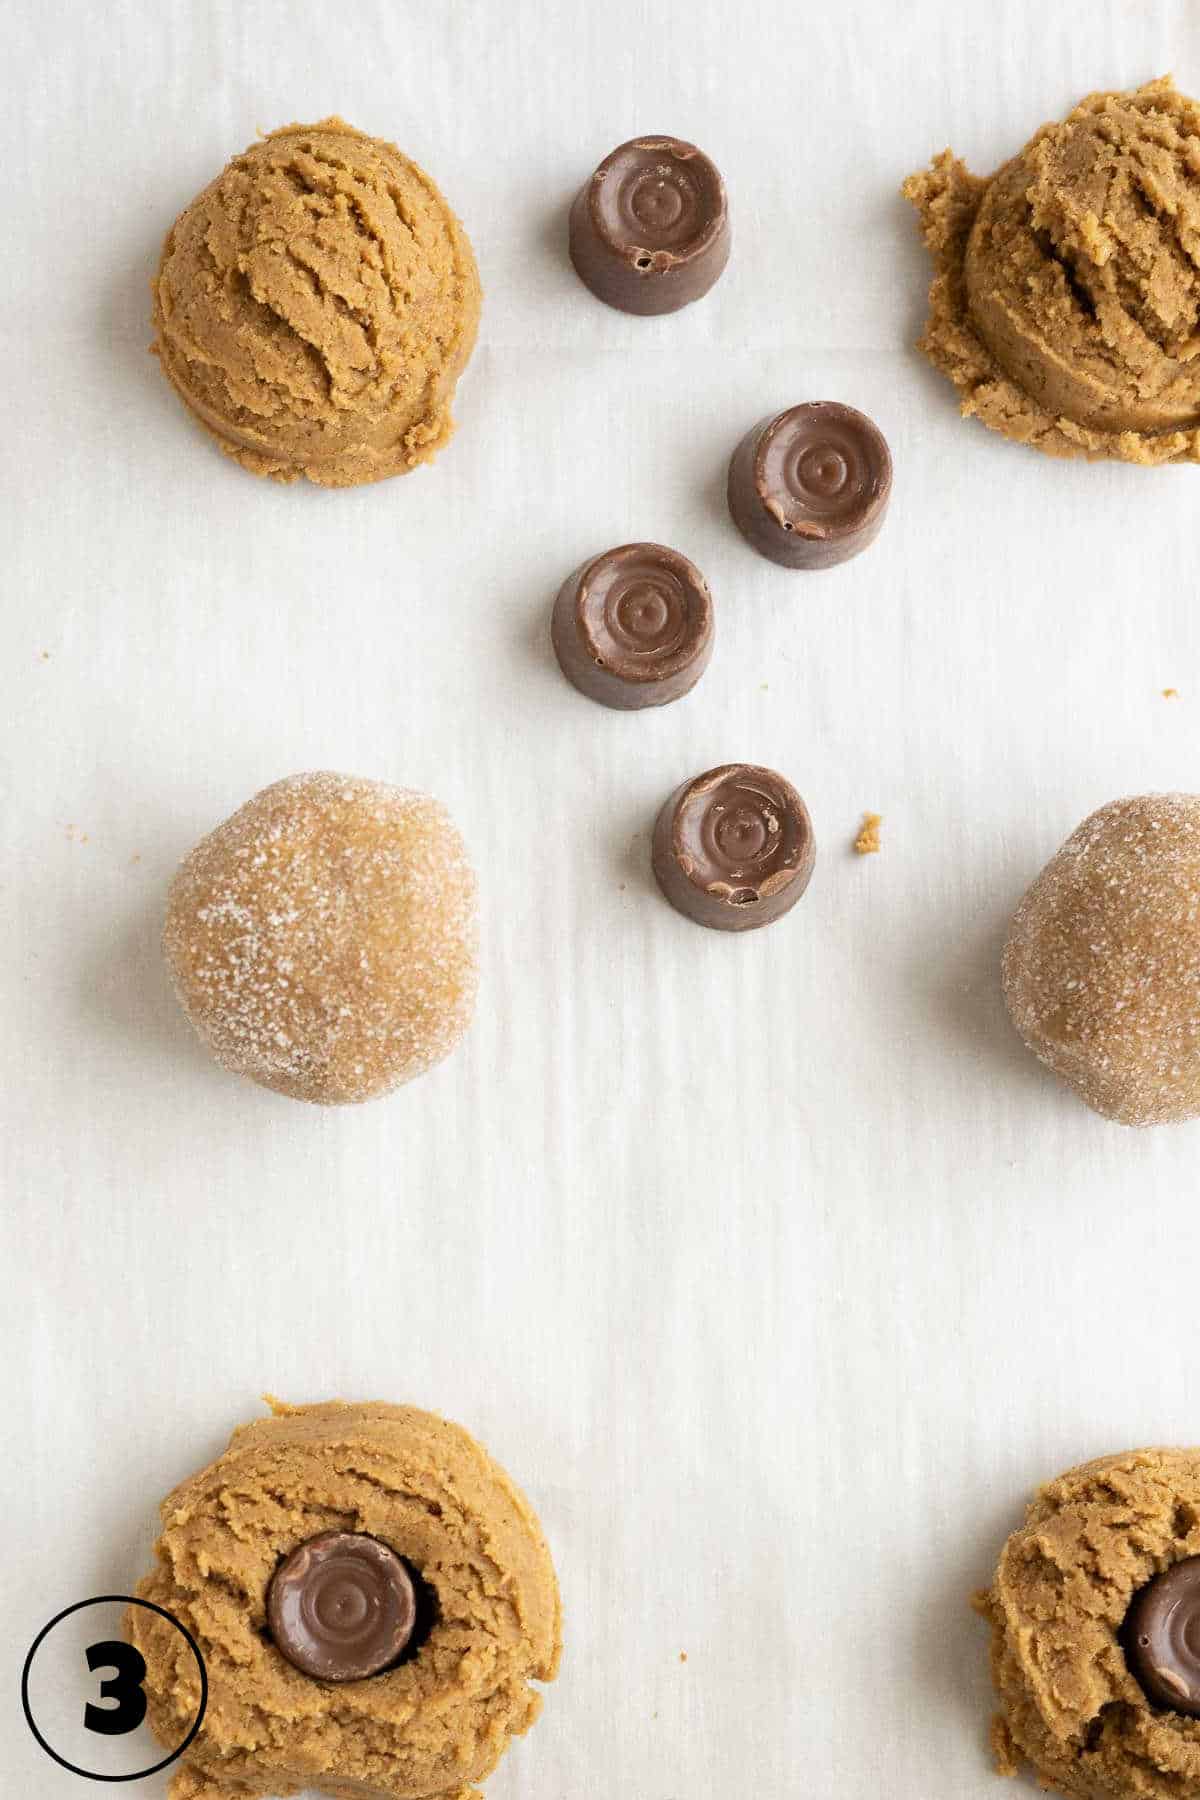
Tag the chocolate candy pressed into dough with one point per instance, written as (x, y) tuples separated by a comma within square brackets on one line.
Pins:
[(1161, 1638), (1069, 1588), (432, 1723), (810, 487), (650, 227), (341, 1606), (733, 848), (633, 627)]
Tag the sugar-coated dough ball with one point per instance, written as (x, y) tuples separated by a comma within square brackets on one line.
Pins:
[(323, 941), (1102, 963)]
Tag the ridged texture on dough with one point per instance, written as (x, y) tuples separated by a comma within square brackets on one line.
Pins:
[(1071, 1708), (430, 1727), (315, 305), (1065, 305)]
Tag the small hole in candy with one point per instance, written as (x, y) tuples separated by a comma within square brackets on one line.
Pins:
[(643, 262), (742, 897)]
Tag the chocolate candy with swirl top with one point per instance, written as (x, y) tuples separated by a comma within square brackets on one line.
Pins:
[(734, 848), (650, 227), (1161, 1638), (342, 1606), (633, 626), (809, 487)]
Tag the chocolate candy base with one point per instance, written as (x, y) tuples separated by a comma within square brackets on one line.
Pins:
[(733, 848), (809, 487), (633, 627), (649, 229)]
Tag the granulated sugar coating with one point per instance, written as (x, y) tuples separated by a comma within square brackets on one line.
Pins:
[(1102, 963), (323, 941)]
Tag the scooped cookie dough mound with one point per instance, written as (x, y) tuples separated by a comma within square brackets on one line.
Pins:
[(1071, 1705), (315, 306), (1101, 969), (1065, 305), (436, 1722), (322, 941)]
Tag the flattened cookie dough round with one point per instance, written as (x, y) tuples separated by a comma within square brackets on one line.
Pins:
[(315, 306), (1061, 1608), (322, 941), (439, 1719)]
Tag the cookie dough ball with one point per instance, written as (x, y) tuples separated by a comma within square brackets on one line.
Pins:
[(315, 306), (489, 1622), (1071, 1705), (322, 940), (1065, 305), (1102, 964)]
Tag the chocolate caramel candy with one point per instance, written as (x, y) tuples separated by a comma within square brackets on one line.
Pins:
[(341, 1607), (734, 848), (633, 627), (1161, 1638), (809, 487), (650, 227)]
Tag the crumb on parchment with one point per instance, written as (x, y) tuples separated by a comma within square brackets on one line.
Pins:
[(867, 841)]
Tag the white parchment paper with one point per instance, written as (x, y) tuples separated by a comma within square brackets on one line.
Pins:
[(772, 1266)]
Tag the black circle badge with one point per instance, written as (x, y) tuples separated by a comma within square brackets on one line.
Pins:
[(91, 1690)]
